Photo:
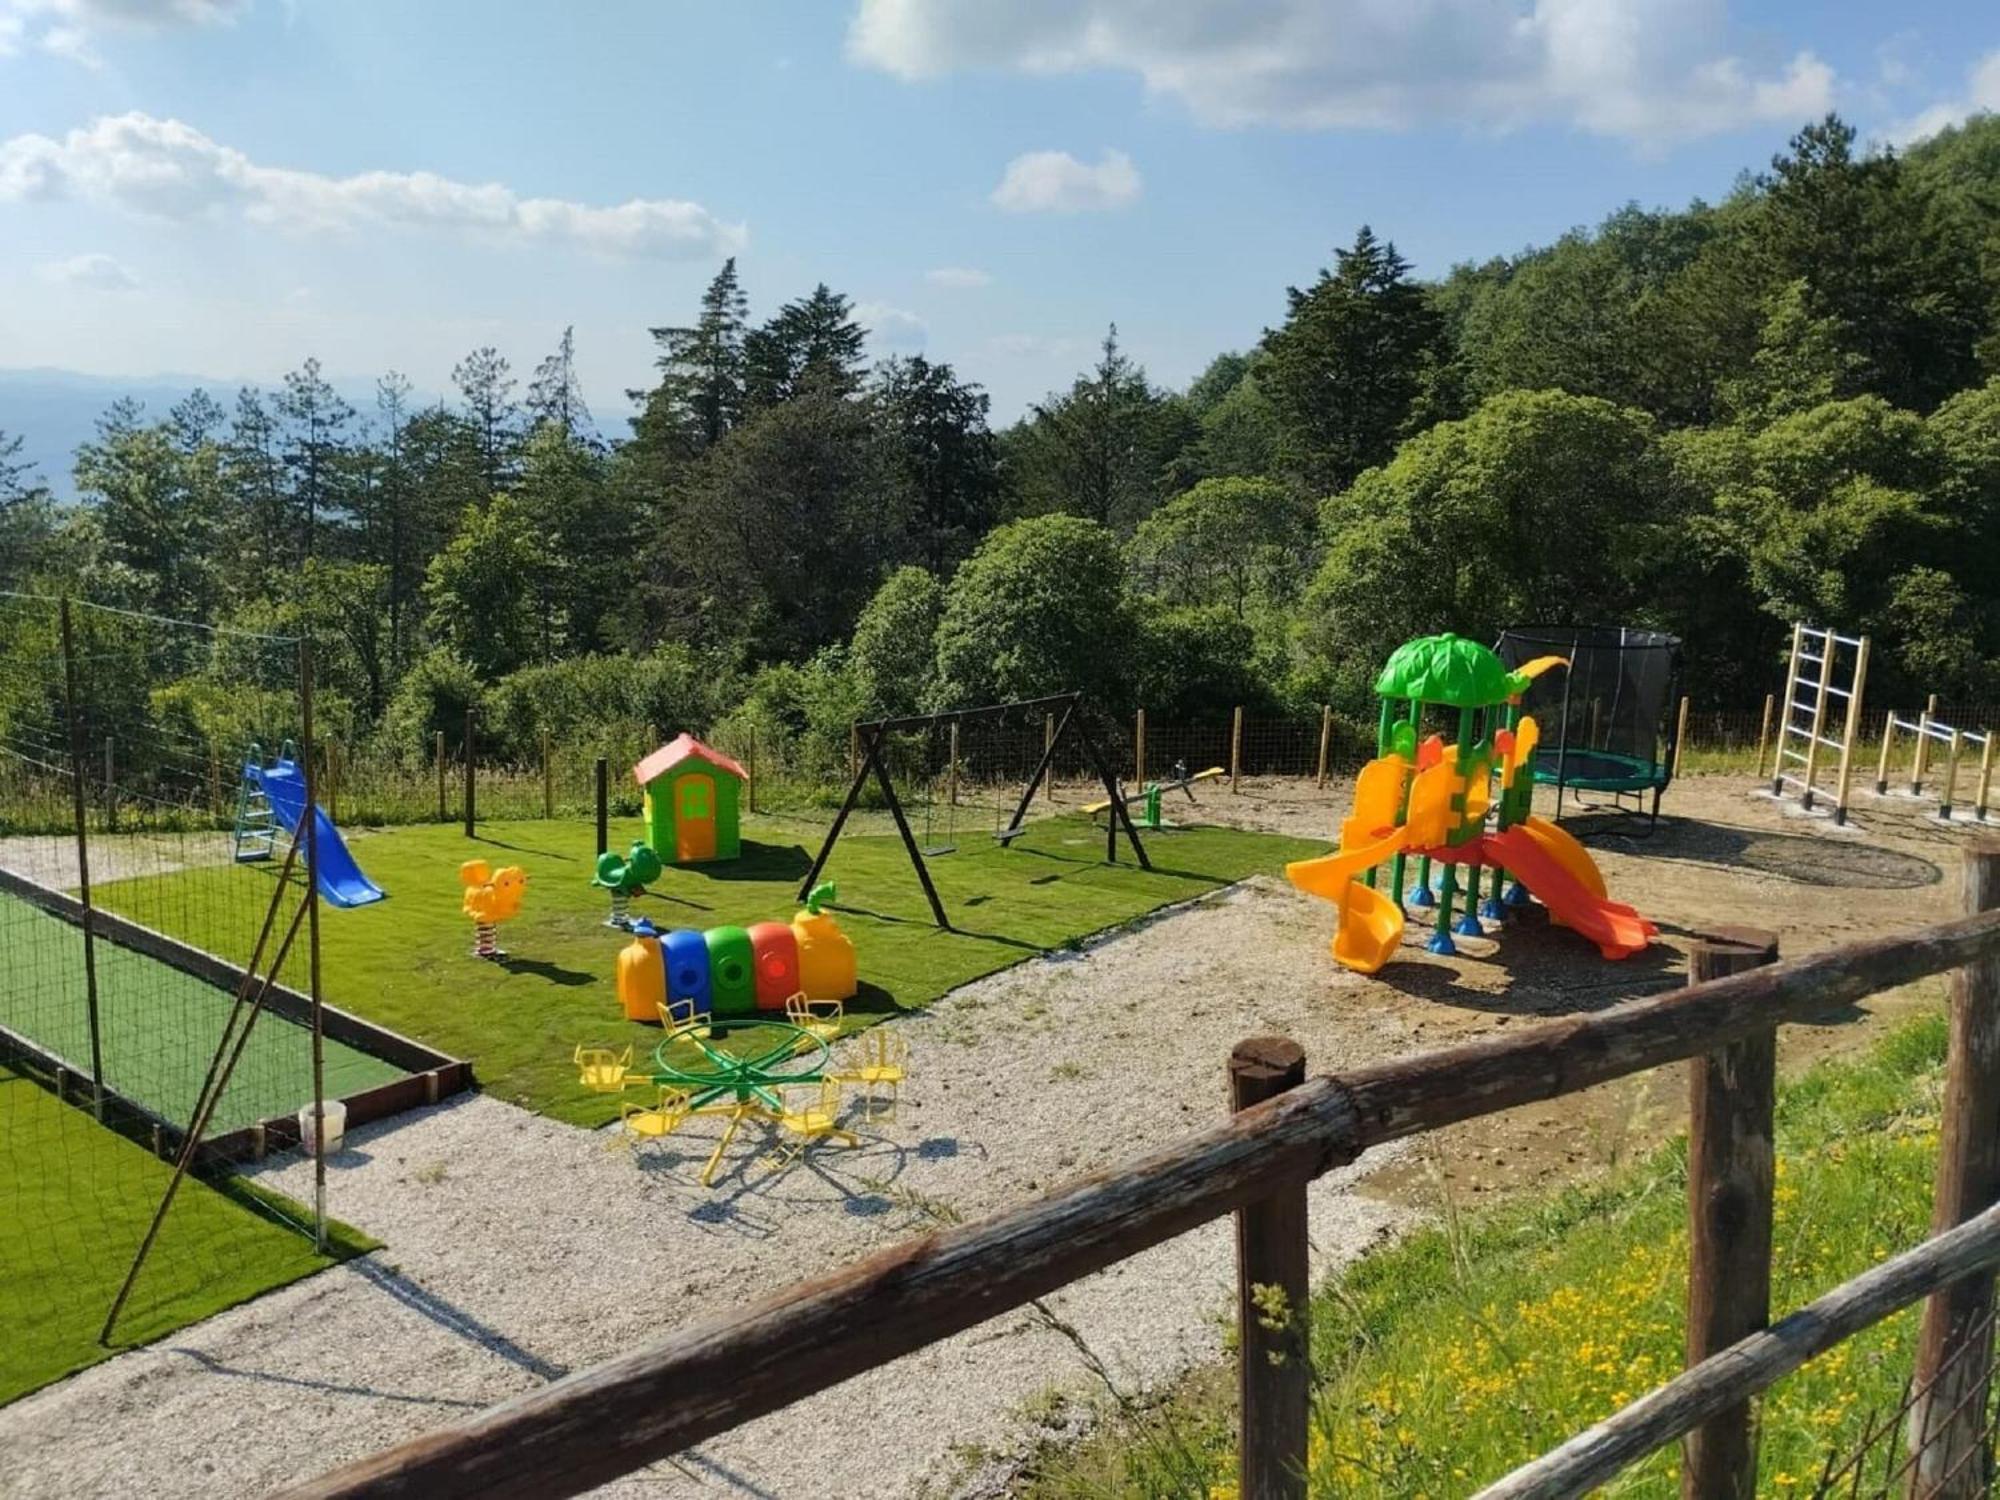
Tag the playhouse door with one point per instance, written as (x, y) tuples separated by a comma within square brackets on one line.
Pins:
[(694, 819)]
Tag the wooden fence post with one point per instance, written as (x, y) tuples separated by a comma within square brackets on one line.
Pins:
[(951, 771), (1850, 730), (1325, 741), (1947, 1422), (1732, 1099), (1785, 711), (469, 780), (1882, 766), (439, 749), (1820, 695), (853, 749), (1764, 734), (1680, 736), (1048, 744), (214, 781), (750, 791), (1139, 748), (1950, 788), (603, 804), (1274, 1377), (548, 780), (1236, 747), (110, 792)]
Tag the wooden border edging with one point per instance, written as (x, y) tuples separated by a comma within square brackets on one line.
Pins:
[(593, 1426), (645, 1405), (1736, 1374)]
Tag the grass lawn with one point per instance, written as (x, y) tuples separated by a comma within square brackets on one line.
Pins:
[(1450, 1358), (403, 962), (75, 1199), (158, 1026)]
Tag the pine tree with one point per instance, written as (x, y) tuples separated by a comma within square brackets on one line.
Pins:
[(26, 514), (1350, 362), (700, 395), (254, 477), (486, 381), (554, 396), (949, 457), (814, 342), (314, 448), (1100, 448)]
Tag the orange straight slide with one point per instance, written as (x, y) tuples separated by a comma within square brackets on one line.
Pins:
[(1617, 929)]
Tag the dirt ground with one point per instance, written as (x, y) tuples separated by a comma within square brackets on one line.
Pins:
[(1725, 853)]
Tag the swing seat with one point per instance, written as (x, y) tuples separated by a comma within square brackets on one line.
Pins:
[(936, 849)]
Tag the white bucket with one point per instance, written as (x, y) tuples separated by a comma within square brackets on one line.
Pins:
[(335, 1116)]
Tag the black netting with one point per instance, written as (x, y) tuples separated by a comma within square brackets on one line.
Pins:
[(1605, 722)]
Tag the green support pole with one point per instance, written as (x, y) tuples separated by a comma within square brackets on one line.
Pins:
[(1420, 893), (1381, 748), (1441, 942), (1468, 921)]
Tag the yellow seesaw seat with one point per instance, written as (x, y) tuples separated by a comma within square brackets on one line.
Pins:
[(1371, 922)]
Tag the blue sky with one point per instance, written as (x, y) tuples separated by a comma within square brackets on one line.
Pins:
[(222, 187)]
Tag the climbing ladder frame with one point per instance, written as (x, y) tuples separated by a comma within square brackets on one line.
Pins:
[(1813, 694), (1930, 731)]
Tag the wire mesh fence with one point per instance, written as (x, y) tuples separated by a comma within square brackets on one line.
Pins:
[(115, 830)]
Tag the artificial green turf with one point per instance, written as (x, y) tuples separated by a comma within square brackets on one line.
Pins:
[(403, 961), (158, 1026), (75, 1198)]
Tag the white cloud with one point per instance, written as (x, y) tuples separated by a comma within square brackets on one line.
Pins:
[(891, 329), (957, 278), (96, 271), (167, 169), (66, 28), (1982, 93), (1056, 182), (1647, 69), (1036, 345)]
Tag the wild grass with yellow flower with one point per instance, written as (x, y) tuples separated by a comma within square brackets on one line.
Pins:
[(1461, 1351)]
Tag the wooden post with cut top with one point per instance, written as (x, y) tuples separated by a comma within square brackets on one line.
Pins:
[(439, 752), (1325, 741), (1680, 735), (1850, 730), (1947, 1432), (469, 786), (1274, 1374), (1764, 734), (1732, 1096), (1236, 747)]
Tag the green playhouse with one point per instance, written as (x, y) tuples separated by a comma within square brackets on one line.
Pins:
[(693, 795)]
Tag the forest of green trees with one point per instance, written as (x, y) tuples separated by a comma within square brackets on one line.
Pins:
[(1713, 420)]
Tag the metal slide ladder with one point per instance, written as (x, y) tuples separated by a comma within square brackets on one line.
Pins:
[(256, 830)]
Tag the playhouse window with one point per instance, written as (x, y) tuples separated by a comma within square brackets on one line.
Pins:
[(694, 798)]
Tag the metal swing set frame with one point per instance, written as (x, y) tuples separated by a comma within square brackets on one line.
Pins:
[(1066, 707)]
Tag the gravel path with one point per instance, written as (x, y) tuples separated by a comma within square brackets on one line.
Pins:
[(519, 1248)]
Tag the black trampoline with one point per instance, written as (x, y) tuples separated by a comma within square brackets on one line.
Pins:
[(1606, 723)]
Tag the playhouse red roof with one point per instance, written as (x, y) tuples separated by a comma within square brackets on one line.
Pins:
[(685, 747)]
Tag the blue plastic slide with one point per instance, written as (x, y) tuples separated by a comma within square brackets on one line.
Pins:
[(340, 878)]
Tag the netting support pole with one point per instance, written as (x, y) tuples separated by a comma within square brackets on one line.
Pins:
[(81, 815), (1326, 739), (603, 805), (951, 768), (1236, 748), (438, 750), (1139, 748), (312, 950), (1764, 735), (1680, 737)]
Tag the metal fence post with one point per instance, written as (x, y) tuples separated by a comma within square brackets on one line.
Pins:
[(603, 804), (1732, 1096), (1947, 1421), (1274, 1376)]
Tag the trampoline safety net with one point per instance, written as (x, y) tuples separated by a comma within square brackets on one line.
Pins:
[(1604, 722)]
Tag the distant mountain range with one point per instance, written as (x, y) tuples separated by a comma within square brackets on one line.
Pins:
[(52, 411)]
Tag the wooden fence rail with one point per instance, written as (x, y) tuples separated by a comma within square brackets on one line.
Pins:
[(645, 1405)]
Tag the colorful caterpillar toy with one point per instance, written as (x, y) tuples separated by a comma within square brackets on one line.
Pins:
[(736, 971)]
